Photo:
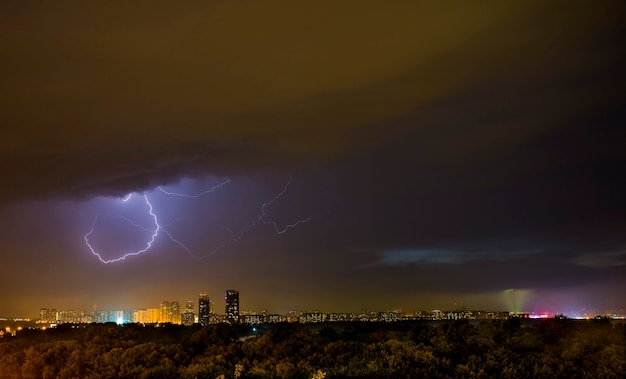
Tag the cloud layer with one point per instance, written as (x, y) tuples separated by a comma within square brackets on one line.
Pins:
[(105, 99), (482, 145)]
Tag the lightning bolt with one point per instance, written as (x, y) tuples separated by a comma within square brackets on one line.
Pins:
[(198, 195), (235, 237), (155, 233), (261, 216), (260, 219)]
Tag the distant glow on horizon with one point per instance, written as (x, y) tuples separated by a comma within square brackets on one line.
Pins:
[(516, 299), (542, 315), (259, 219)]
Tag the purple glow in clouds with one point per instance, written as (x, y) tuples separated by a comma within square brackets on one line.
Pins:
[(159, 228)]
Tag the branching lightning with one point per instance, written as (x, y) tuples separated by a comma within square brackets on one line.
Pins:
[(155, 233), (158, 227), (273, 223), (198, 195), (260, 219)]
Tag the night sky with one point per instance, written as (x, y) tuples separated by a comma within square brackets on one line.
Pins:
[(432, 156)]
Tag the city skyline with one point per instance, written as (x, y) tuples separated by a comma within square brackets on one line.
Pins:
[(170, 311), (52, 316), (334, 156)]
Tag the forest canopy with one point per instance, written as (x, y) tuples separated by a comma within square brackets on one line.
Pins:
[(505, 349)]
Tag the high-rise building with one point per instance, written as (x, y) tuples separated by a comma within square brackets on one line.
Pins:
[(187, 318), (99, 316), (166, 310), (203, 309), (175, 312), (44, 315), (232, 306), (154, 315), (140, 316)]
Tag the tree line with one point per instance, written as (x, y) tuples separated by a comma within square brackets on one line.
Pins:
[(504, 349)]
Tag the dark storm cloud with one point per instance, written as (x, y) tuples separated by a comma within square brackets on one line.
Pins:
[(103, 100), (439, 149)]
